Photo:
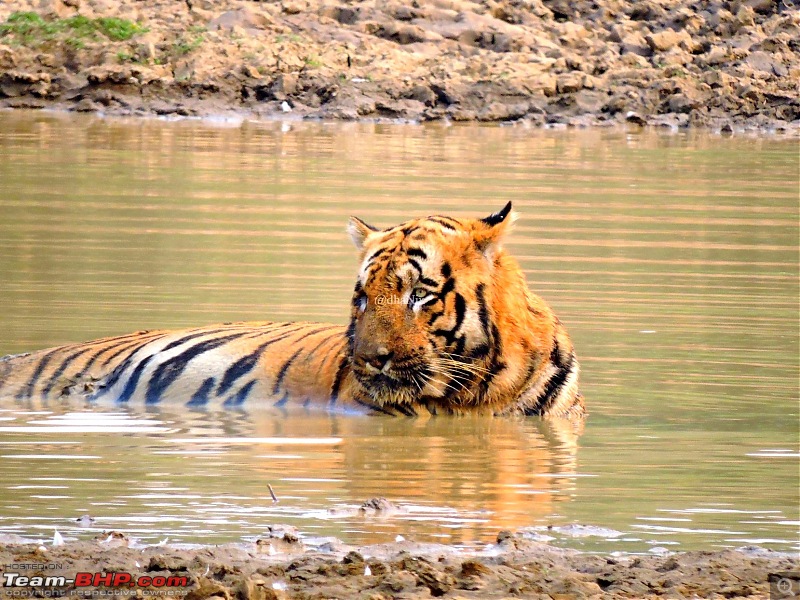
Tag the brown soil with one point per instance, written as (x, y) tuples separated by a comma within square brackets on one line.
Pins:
[(280, 566), (727, 65)]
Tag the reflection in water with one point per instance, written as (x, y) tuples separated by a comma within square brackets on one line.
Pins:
[(672, 260), (484, 474)]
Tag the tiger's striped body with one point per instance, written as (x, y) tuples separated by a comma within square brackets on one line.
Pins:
[(441, 322)]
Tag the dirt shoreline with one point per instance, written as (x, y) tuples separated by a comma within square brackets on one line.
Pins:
[(281, 566), (725, 65)]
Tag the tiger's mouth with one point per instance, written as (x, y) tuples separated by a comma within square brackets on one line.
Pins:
[(393, 386)]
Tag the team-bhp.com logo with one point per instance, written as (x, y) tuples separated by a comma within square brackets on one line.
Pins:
[(19, 585)]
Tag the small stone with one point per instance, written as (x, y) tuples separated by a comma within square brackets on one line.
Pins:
[(292, 7), (424, 94), (636, 118), (717, 56), (664, 40), (762, 6), (635, 43), (87, 105), (569, 82), (681, 103), (250, 71), (548, 84)]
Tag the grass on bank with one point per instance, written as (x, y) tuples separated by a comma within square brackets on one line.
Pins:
[(31, 29)]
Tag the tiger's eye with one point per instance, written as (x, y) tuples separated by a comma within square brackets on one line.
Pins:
[(418, 294)]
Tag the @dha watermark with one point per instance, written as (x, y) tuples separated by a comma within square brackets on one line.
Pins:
[(388, 300)]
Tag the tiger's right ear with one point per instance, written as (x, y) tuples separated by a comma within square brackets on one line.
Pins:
[(359, 231)]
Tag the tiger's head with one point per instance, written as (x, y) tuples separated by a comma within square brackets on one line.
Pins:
[(423, 322)]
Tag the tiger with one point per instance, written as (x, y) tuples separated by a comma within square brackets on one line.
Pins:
[(441, 322)]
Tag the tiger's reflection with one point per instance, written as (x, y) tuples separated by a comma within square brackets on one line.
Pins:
[(489, 473)]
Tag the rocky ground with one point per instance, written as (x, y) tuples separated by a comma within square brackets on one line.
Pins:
[(279, 566), (727, 65)]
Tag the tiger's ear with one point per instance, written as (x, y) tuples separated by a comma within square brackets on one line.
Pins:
[(490, 230), (359, 231)]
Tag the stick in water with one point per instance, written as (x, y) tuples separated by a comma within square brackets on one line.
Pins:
[(271, 493)]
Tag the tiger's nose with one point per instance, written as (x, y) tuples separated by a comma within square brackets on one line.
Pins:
[(380, 360)]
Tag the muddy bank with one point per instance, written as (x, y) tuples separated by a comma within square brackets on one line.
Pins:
[(280, 566), (727, 65)]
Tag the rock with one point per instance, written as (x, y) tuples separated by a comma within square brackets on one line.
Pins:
[(7, 58), (682, 103), (636, 118), (762, 6), (87, 105), (250, 71), (293, 7), (345, 15), (255, 589), (423, 94), (569, 82), (21, 83), (665, 40), (762, 61), (206, 588), (716, 56), (399, 33), (547, 83), (635, 43), (146, 47), (717, 79), (243, 18)]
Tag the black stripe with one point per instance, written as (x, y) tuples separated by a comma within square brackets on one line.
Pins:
[(282, 371), (496, 364), (428, 282), (483, 309), (417, 252), (407, 230), (28, 389), (168, 371), (244, 365), (375, 407), (441, 222), (446, 270), (414, 263), (405, 409), (435, 316), (337, 381), (448, 287), (120, 369), (450, 334), (324, 341), (139, 343), (282, 402), (376, 254), (201, 396), (553, 387), (240, 396), (133, 380), (60, 370)]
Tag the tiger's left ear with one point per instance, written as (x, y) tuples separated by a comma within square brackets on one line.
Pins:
[(359, 231), (490, 230)]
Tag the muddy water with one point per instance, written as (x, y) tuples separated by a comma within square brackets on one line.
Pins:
[(673, 260)]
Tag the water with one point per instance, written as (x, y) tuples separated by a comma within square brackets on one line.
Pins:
[(673, 260)]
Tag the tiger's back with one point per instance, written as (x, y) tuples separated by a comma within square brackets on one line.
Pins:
[(225, 364)]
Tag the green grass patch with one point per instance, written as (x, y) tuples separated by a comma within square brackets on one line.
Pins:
[(184, 46), (31, 29)]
